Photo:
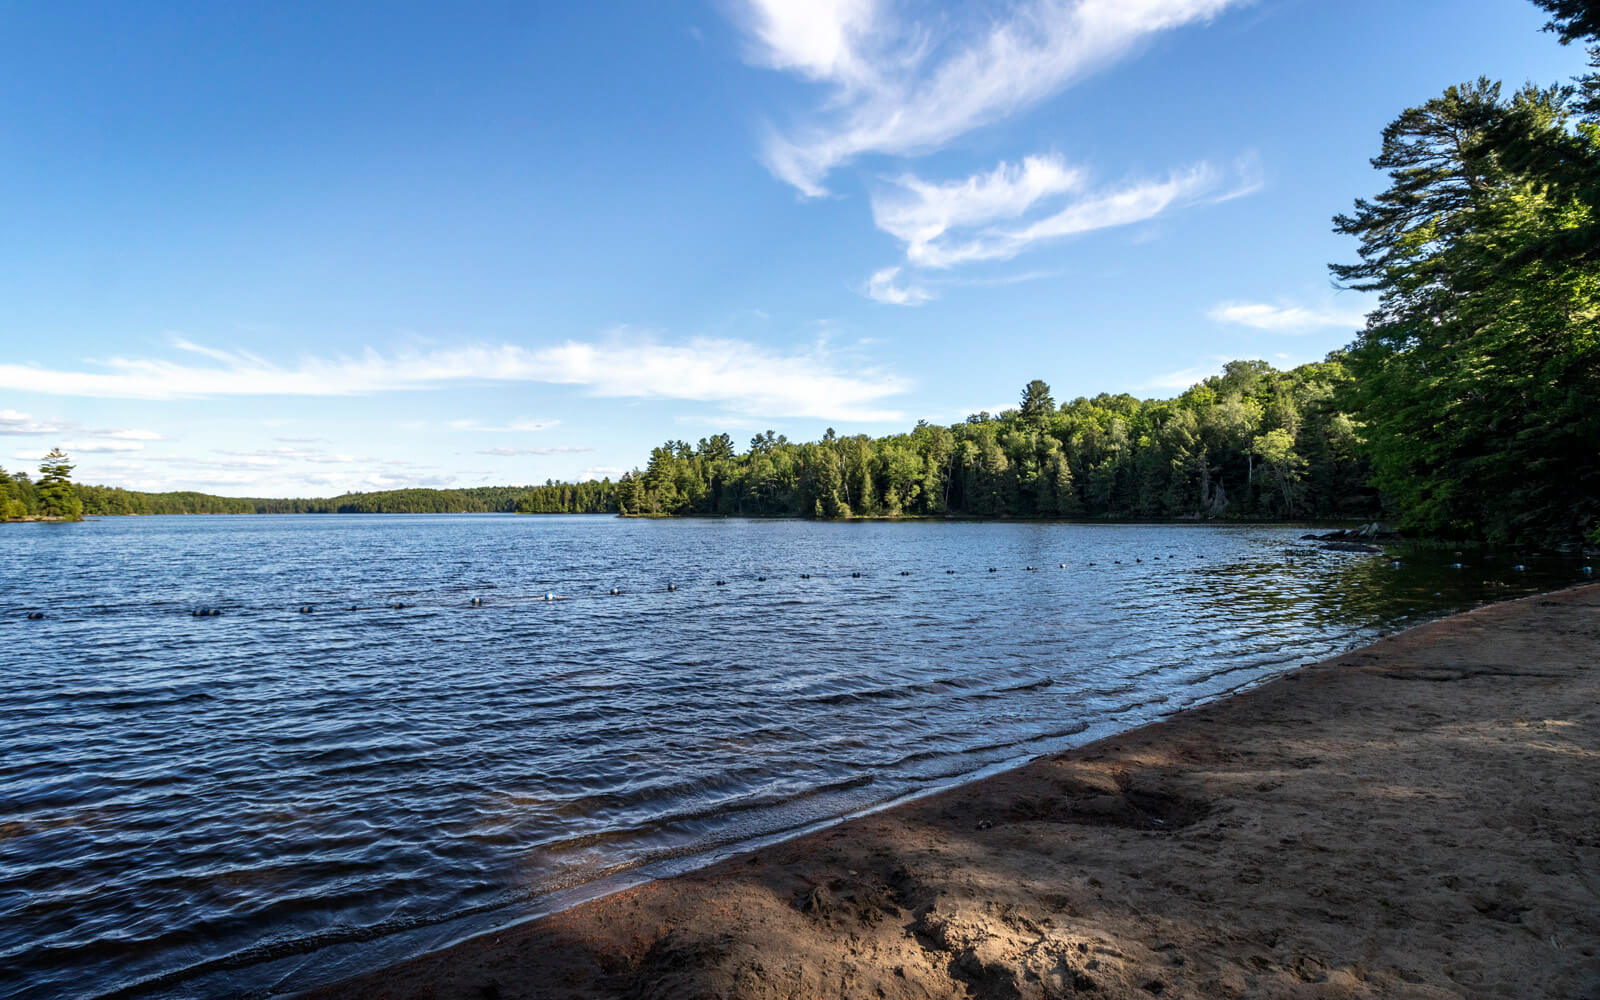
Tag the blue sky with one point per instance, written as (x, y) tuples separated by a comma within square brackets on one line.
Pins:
[(279, 249)]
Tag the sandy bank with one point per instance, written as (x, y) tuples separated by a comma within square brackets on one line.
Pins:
[(1419, 818)]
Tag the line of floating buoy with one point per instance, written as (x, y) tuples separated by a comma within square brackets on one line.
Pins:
[(478, 602)]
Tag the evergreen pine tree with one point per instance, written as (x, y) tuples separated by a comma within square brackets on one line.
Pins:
[(58, 498)]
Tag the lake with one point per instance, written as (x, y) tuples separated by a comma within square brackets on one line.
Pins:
[(251, 802)]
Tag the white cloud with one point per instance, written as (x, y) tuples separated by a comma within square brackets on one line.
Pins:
[(902, 87), (920, 211), (742, 376), (509, 452), (881, 286), (1133, 202), (16, 422), (1287, 318)]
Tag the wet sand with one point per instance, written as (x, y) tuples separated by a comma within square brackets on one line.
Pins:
[(1419, 818)]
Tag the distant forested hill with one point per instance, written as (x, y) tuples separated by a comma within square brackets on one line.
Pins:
[(552, 498)]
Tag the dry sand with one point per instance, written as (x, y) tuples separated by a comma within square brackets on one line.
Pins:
[(1413, 819)]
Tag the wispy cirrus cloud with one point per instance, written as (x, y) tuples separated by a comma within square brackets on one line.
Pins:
[(882, 287), (1282, 318), (919, 212), (924, 215), (904, 86), (743, 377)]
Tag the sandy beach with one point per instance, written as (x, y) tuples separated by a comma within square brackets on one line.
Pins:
[(1418, 818)]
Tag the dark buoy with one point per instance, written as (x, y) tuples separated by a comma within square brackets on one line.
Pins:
[(1061, 565), (206, 612), (1519, 567), (1457, 566), (1586, 570), (354, 608), (549, 596), (305, 609), (905, 572), (1138, 560), (722, 583), (856, 575), (476, 602), (992, 569), (672, 586), (615, 591), (950, 572), (1029, 568), (397, 606), (36, 616), (761, 579), (805, 576)]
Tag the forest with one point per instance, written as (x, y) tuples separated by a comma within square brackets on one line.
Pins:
[(1252, 442)]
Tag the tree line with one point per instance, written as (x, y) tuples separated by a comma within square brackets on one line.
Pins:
[(1253, 442)]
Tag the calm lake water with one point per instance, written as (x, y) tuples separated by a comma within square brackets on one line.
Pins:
[(250, 803)]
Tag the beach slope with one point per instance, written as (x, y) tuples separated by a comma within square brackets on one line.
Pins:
[(1419, 818)]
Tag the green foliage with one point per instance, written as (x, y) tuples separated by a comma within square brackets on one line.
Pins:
[(1478, 376), (1253, 443), (58, 498), (1572, 19), (112, 500)]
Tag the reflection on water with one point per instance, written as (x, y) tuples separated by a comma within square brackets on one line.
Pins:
[(203, 806)]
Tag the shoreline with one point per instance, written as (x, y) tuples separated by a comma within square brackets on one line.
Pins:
[(1412, 818)]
